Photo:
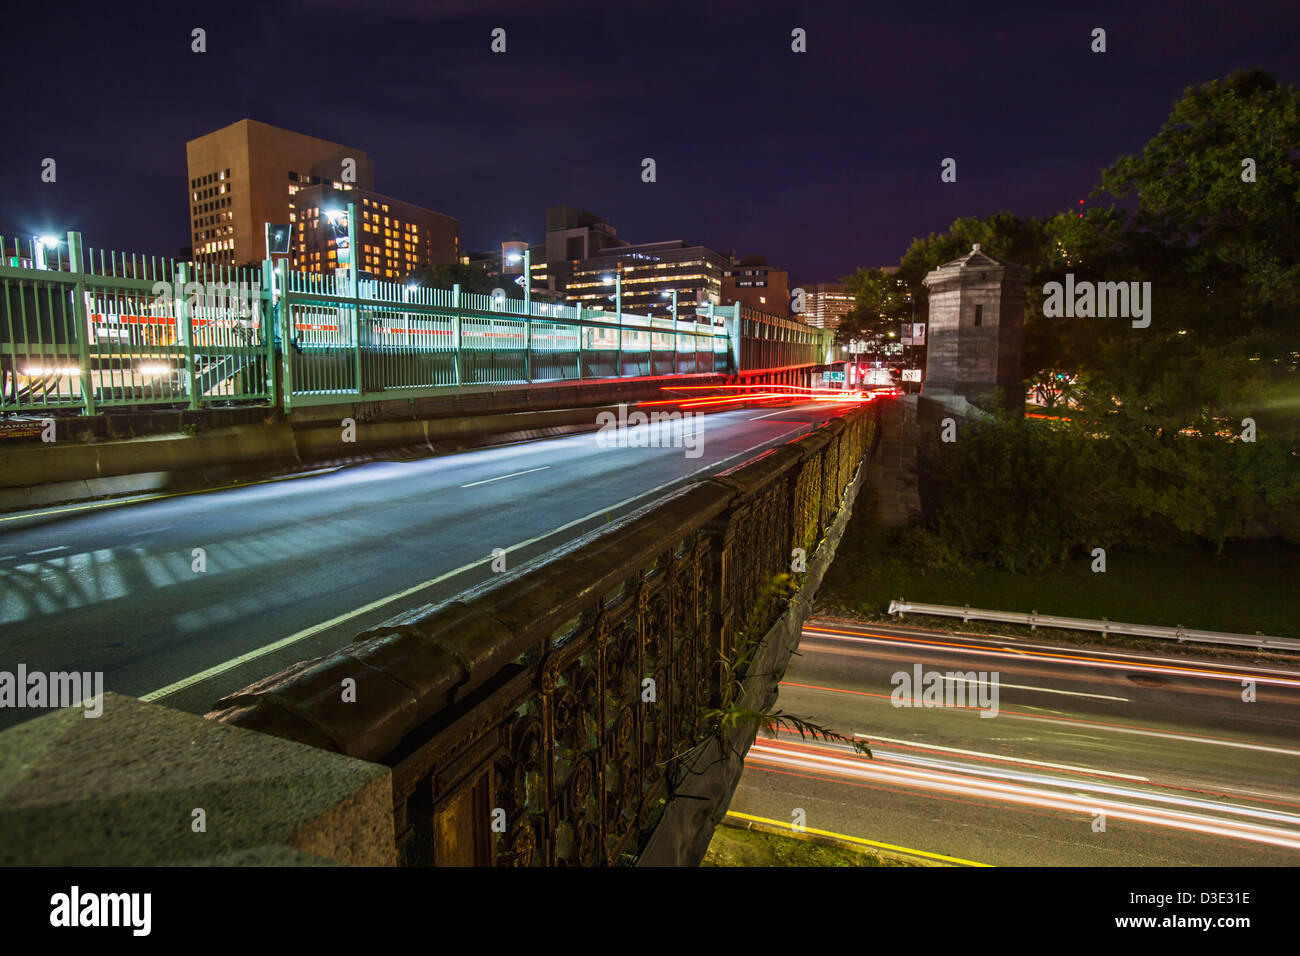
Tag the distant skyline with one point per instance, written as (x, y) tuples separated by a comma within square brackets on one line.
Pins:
[(821, 161)]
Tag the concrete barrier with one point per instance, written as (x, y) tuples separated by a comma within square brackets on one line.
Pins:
[(37, 474), (144, 785)]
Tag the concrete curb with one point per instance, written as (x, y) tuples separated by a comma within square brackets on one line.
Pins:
[(43, 475)]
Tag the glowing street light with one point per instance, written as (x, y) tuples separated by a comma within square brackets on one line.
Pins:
[(39, 245), (527, 257), (673, 296)]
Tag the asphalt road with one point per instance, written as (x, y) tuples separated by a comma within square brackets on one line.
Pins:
[(1161, 750), (293, 568)]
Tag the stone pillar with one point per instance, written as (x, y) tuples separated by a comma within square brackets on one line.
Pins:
[(975, 333)]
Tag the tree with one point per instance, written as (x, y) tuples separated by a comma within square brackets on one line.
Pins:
[(1219, 185), (470, 278), (881, 303)]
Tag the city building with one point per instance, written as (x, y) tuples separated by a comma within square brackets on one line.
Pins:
[(394, 238), (649, 274), (583, 254), (584, 261), (573, 234), (754, 284), (245, 175), (826, 304)]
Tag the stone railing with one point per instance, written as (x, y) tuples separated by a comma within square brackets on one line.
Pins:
[(542, 720)]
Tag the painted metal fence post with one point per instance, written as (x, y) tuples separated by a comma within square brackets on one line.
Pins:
[(267, 316), (285, 321), (82, 323), (578, 309), (185, 326), (455, 328), (528, 345)]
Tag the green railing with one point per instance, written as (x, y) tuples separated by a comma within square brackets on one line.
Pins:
[(86, 329), (82, 329), (388, 339)]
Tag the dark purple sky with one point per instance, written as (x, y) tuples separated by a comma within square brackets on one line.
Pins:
[(822, 161)]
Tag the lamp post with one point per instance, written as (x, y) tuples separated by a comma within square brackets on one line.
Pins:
[(527, 256), (39, 245), (617, 279), (348, 217), (337, 216), (618, 309)]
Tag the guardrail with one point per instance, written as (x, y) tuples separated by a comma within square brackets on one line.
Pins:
[(83, 329), (1035, 620), (542, 720)]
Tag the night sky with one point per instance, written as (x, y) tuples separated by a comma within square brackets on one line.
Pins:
[(822, 161)]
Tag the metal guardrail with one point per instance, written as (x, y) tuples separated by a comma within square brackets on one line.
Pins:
[(82, 328), (1035, 620)]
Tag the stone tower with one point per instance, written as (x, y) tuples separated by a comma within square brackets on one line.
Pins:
[(976, 329)]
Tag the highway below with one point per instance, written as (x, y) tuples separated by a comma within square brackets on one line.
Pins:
[(185, 598), (1093, 758)]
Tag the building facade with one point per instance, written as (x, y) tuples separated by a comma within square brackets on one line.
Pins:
[(394, 238), (649, 274), (247, 174), (756, 285), (826, 304)]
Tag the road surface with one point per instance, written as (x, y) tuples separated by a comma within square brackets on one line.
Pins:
[(1094, 757), (185, 598)]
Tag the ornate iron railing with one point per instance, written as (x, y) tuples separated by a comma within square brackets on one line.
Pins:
[(540, 720)]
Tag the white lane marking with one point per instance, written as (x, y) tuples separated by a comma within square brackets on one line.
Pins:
[(1190, 738), (961, 784), (62, 547), (488, 481), (1041, 690), (1074, 648), (1006, 757), (1177, 668), (770, 414), (373, 605)]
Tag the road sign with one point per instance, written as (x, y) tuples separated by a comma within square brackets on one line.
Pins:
[(834, 376)]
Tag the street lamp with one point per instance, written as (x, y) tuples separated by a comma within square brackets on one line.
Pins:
[(528, 276), (617, 279), (39, 245), (344, 222), (673, 296)]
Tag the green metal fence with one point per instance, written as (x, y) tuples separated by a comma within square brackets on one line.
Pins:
[(86, 329), (83, 329), (384, 339)]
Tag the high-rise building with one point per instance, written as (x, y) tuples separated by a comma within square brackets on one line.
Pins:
[(826, 304), (753, 283), (649, 272), (394, 238), (573, 234), (245, 175)]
